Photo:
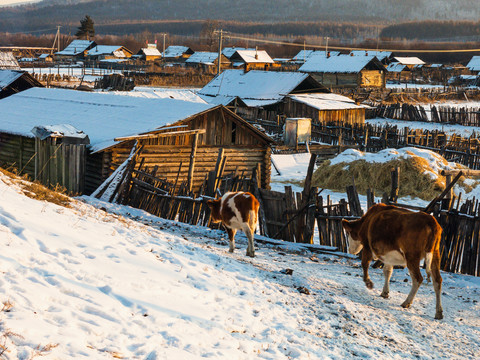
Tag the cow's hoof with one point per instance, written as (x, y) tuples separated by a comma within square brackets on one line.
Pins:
[(406, 304), (230, 250), (384, 295), (251, 253), (369, 284), (439, 315)]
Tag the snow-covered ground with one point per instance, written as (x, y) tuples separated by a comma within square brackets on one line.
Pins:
[(87, 284)]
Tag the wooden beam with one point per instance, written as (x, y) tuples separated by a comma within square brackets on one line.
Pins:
[(165, 134), (191, 166)]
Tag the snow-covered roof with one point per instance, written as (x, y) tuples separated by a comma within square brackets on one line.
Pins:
[(381, 55), (44, 56), (101, 116), (255, 88), (151, 51), (324, 101), (337, 64), (253, 56), (409, 60), (116, 50), (8, 61), (474, 63), (60, 130), (229, 51), (9, 76), (162, 93), (203, 57), (307, 54), (75, 47), (174, 51), (396, 67)]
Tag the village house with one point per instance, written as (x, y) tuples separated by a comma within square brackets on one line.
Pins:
[(252, 60), (229, 51), (15, 81), (207, 61), (177, 54), (346, 71), (275, 96), (385, 57), (76, 50), (474, 65), (108, 52), (106, 117), (47, 58), (304, 55), (397, 72), (150, 53)]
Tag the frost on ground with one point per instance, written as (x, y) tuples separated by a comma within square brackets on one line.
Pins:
[(89, 284)]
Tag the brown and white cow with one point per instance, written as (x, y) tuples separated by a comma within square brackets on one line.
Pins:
[(237, 211), (398, 236)]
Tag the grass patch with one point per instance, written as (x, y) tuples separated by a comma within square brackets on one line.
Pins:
[(34, 190)]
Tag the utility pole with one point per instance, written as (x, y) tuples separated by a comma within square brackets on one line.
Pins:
[(57, 39), (220, 38), (163, 52)]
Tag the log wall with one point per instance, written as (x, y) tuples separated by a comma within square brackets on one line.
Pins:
[(17, 152)]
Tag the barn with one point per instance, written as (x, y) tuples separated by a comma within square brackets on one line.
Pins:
[(106, 117), (275, 96), (346, 71), (13, 81)]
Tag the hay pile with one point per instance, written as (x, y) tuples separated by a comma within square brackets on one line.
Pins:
[(419, 172)]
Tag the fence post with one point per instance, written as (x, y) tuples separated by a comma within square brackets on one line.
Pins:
[(395, 176)]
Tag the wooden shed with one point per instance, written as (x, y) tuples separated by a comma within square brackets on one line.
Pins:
[(13, 81), (346, 71), (192, 146)]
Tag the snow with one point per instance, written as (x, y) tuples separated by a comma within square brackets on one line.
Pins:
[(409, 60), (336, 64), (126, 284), (163, 93), (101, 116), (253, 56), (9, 76), (474, 64), (75, 47), (323, 101), (202, 57)]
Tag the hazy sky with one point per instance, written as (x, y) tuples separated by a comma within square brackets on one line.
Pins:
[(13, 2)]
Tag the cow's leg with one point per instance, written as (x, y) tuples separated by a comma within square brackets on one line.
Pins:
[(414, 269), (428, 265), (437, 283), (366, 259), (250, 248), (231, 236), (387, 273)]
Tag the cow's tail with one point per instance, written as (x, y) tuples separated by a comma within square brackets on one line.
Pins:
[(432, 257)]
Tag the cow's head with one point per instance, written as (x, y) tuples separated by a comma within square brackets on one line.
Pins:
[(355, 244), (214, 206)]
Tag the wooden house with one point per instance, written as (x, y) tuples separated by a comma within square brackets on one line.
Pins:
[(107, 52), (149, 53), (346, 71), (274, 96), (474, 65), (398, 72), (229, 51), (106, 117), (385, 57), (13, 81), (207, 61), (252, 60), (177, 54), (76, 50)]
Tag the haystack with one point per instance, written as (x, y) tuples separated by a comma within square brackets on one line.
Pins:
[(419, 172)]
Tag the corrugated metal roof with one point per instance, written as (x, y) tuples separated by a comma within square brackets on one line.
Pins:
[(474, 63), (265, 86), (75, 47), (8, 61), (336, 64), (254, 56), (174, 51), (9, 76), (202, 57), (409, 60)]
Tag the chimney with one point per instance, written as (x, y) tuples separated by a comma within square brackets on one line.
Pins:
[(328, 54), (351, 54), (256, 53)]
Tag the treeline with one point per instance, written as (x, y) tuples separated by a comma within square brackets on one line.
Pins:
[(430, 30)]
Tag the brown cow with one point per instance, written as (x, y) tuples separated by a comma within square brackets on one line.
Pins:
[(398, 236), (237, 211)]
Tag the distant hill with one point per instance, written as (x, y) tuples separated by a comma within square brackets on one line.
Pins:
[(50, 13)]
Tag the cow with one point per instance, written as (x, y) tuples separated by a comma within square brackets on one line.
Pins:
[(397, 236), (237, 211)]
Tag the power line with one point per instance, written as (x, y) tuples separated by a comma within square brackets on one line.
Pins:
[(276, 42)]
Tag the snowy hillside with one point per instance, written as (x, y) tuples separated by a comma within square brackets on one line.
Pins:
[(86, 284)]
